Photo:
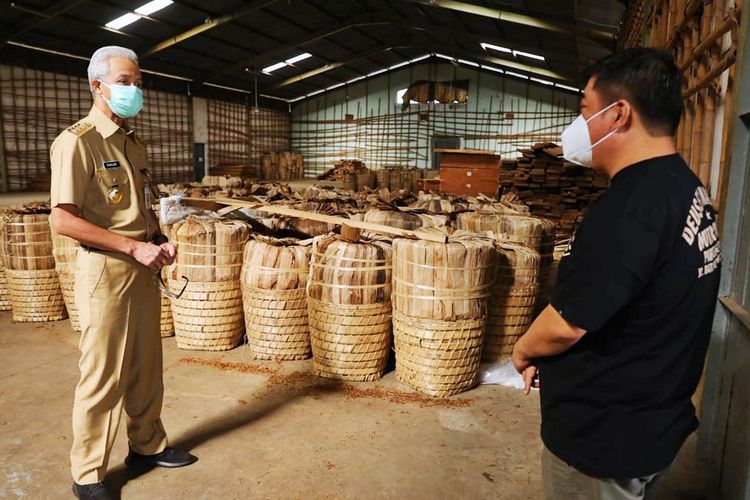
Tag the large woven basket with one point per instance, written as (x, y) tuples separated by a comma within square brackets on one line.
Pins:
[(405, 219), (440, 311), (274, 276), (4, 295), (512, 299), (208, 315), (65, 251), (35, 295), (33, 285), (349, 290)]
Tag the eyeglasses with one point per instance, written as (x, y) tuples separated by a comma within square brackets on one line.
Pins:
[(159, 282)]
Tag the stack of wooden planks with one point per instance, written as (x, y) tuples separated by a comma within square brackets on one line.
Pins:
[(284, 166), (553, 187)]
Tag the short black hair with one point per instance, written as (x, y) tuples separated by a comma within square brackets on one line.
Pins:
[(649, 79)]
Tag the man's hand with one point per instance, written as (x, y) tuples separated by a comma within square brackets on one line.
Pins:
[(152, 256), (528, 378), (524, 367), (171, 251)]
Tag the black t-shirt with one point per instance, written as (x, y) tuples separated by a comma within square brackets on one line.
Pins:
[(641, 277)]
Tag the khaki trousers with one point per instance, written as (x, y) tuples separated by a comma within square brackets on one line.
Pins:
[(565, 482), (121, 362)]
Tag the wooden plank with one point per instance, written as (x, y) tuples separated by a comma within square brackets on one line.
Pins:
[(467, 151), (737, 311), (329, 219)]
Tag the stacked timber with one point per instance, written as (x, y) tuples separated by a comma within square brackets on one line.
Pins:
[(553, 188), (274, 277), (440, 310), (33, 286), (349, 301), (65, 251), (208, 315)]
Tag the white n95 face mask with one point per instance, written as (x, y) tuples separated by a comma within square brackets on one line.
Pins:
[(576, 140)]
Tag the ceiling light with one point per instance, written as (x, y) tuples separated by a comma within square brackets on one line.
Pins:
[(492, 68), (539, 80), (298, 58), (498, 48), (517, 75), (273, 67), (566, 87), (528, 54), (123, 21), (151, 7), (468, 63)]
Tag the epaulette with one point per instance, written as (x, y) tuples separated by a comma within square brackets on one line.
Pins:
[(80, 128)]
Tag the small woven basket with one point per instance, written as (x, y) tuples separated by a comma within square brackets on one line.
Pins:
[(4, 295)]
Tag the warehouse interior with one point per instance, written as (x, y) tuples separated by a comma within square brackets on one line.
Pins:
[(290, 133)]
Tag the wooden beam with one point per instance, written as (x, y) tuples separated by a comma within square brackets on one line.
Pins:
[(328, 219), (208, 25), (43, 16)]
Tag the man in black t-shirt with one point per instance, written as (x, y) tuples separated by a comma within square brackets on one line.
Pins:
[(620, 348)]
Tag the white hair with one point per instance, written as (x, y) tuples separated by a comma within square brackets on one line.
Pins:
[(99, 63)]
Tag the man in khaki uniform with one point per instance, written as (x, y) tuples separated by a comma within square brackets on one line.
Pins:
[(100, 198)]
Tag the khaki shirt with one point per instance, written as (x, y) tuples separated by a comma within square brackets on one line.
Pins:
[(99, 167)]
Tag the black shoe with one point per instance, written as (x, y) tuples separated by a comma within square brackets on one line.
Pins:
[(94, 491), (170, 457)]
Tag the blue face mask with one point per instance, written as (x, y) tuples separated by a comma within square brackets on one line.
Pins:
[(126, 100)]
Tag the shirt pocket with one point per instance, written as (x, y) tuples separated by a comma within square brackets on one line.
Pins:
[(113, 183)]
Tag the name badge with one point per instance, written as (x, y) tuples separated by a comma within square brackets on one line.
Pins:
[(111, 164)]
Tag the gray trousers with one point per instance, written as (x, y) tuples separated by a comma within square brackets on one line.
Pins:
[(565, 482)]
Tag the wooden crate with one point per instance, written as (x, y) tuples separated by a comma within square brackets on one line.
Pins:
[(469, 171)]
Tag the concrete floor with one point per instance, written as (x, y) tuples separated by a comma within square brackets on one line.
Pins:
[(271, 430)]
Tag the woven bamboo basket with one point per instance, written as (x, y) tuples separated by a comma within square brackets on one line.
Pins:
[(403, 219), (512, 298), (274, 277), (440, 311), (208, 316), (349, 303), (4, 295), (33, 285), (536, 232), (65, 251)]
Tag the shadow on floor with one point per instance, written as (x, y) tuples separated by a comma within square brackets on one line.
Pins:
[(264, 404)]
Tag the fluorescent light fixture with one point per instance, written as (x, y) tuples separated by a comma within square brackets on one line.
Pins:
[(298, 58), (468, 63), (123, 21), (498, 48), (517, 75), (539, 80), (492, 68), (517, 53), (443, 56), (151, 7), (273, 67), (566, 87)]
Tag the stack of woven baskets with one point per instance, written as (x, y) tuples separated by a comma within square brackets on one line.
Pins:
[(208, 315), (274, 276), (33, 285), (4, 295), (349, 302), (440, 295)]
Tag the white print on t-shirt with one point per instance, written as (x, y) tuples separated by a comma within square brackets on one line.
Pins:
[(706, 238)]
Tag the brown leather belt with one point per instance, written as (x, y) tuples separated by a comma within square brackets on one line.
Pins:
[(89, 248)]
